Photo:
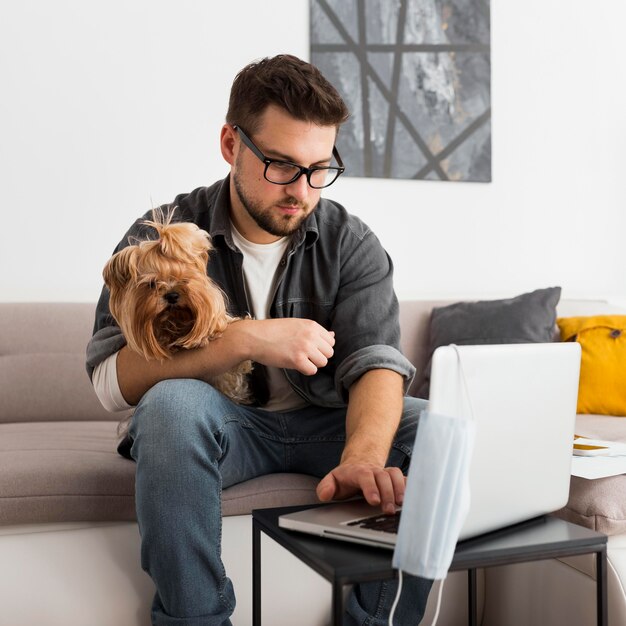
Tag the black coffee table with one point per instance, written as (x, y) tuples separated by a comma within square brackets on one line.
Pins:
[(342, 563)]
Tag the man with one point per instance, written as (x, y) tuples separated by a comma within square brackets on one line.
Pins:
[(323, 334)]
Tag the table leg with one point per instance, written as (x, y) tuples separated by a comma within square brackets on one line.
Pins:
[(338, 608), (471, 598), (601, 590), (256, 574)]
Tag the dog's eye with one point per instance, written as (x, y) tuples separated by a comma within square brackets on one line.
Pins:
[(152, 284)]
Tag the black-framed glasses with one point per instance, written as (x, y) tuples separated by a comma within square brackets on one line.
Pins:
[(285, 172)]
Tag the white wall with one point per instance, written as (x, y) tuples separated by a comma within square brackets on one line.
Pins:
[(107, 108)]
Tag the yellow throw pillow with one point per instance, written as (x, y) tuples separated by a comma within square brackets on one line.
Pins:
[(602, 388)]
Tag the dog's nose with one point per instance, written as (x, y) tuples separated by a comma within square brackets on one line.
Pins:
[(171, 297)]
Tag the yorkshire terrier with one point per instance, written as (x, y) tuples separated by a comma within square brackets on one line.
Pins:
[(163, 300)]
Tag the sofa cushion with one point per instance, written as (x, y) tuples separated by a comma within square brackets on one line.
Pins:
[(272, 490), (528, 318), (42, 363), (71, 472), (63, 472), (599, 504)]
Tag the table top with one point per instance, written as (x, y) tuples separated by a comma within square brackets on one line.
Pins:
[(343, 562)]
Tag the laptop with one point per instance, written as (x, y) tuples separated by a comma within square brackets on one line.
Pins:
[(523, 398)]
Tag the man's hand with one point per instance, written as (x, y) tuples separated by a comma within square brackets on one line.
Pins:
[(290, 343), (382, 486)]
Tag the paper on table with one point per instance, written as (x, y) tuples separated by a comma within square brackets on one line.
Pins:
[(611, 463), (598, 466)]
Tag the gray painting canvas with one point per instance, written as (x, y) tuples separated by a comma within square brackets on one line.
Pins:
[(416, 75)]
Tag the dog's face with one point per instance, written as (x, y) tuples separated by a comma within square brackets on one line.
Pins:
[(160, 293)]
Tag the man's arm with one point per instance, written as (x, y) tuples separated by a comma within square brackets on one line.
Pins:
[(287, 343), (374, 411)]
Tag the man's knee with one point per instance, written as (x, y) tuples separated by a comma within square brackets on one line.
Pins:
[(413, 407), (405, 437), (175, 409)]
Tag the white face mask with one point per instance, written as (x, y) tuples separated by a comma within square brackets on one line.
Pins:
[(437, 494)]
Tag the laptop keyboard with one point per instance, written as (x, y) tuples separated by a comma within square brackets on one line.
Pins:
[(382, 523)]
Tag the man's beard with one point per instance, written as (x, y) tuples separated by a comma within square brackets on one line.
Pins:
[(277, 225)]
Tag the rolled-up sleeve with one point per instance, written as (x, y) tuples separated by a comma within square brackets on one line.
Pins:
[(373, 357)]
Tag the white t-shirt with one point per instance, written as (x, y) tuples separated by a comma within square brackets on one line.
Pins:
[(260, 264)]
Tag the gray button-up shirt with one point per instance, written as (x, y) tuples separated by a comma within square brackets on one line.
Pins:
[(335, 272)]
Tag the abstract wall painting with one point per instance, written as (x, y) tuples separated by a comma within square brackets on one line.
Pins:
[(416, 75)]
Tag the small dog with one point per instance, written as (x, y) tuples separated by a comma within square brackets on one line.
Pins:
[(163, 300)]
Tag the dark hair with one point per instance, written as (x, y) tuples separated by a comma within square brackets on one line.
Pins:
[(290, 83)]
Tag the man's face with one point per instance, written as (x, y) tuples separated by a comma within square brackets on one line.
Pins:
[(263, 211)]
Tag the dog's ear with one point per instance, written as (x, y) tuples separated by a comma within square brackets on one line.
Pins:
[(120, 268)]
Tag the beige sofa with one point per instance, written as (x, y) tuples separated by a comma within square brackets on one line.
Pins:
[(69, 543)]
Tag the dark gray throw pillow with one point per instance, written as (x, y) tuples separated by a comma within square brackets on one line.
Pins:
[(529, 318)]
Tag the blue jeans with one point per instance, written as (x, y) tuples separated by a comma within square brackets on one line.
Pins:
[(190, 442)]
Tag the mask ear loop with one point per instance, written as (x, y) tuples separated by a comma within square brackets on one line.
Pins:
[(464, 380), (397, 598), (441, 582)]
